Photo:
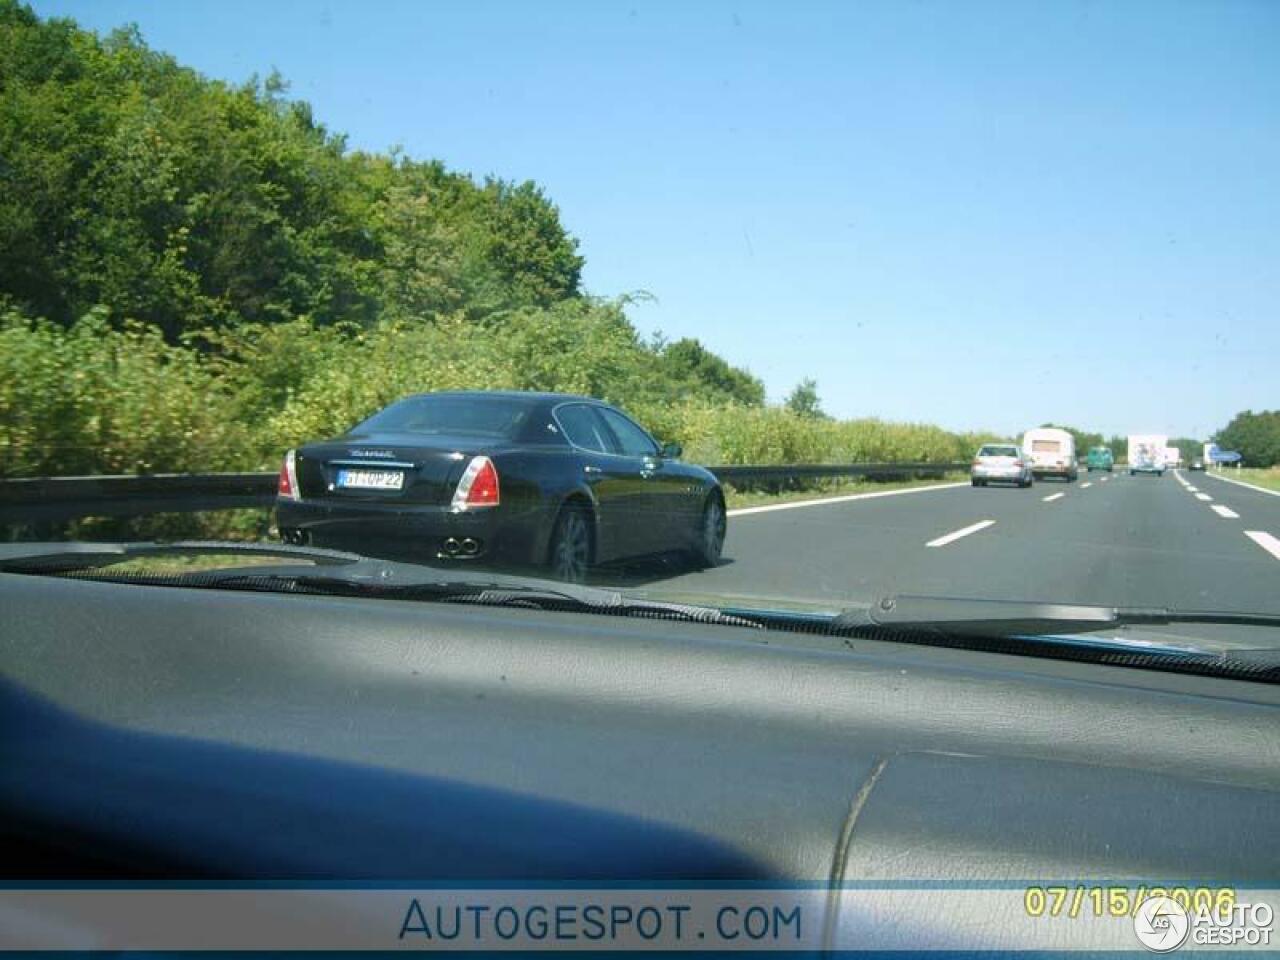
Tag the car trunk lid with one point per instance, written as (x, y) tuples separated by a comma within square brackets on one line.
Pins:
[(391, 468)]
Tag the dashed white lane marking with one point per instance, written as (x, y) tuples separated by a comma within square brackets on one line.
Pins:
[(1052, 497), (1104, 479), (1203, 496), (1227, 512), (1191, 489), (1266, 541), (844, 498), (1085, 486), (962, 532)]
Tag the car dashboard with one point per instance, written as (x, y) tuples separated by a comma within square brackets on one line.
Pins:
[(157, 733)]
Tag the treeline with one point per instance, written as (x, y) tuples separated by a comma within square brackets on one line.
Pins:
[(1255, 436), (196, 275)]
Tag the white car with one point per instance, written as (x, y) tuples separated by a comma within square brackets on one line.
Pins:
[(1000, 463)]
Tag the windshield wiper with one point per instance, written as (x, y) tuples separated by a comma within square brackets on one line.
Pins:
[(334, 573), (565, 598), (1012, 618), (66, 557)]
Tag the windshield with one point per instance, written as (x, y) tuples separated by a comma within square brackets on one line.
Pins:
[(679, 300)]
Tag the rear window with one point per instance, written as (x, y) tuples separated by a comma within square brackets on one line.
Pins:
[(466, 416), (990, 451), (1046, 446)]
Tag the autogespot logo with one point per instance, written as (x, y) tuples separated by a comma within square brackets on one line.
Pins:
[(1161, 924)]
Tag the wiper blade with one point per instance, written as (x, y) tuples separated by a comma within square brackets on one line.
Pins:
[(1053, 630), (566, 598), (335, 573), (65, 557), (1011, 618)]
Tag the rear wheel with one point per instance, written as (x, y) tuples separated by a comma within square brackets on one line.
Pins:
[(571, 550), (711, 532)]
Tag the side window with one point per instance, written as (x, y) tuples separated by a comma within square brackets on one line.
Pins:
[(582, 427), (631, 440)]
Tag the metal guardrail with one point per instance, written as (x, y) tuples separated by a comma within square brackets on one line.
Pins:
[(738, 475), (53, 499)]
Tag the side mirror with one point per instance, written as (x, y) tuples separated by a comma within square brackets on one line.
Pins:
[(672, 451)]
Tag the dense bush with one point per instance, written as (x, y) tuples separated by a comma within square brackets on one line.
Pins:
[(114, 397), (98, 398)]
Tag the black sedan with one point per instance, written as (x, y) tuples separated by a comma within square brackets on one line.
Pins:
[(553, 480)]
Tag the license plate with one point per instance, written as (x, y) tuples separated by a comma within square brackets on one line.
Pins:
[(370, 479)]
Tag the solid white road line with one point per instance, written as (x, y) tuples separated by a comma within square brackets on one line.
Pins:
[(1052, 497), (1241, 483), (845, 498), (1085, 486), (1203, 496), (1227, 512), (1266, 541), (963, 532)]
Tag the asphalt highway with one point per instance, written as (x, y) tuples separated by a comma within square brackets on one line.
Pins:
[(1184, 541)]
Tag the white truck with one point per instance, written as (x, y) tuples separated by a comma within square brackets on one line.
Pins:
[(1052, 453), (1172, 457), (1147, 453)]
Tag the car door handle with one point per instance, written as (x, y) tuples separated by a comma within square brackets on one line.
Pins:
[(589, 469)]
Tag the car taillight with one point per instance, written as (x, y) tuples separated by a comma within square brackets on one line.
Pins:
[(287, 484), (478, 486), (977, 463), (1017, 463)]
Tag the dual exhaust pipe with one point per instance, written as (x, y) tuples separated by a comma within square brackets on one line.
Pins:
[(465, 547)]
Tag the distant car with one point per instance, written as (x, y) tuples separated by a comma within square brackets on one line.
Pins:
[(1000, 463), (1196, 465), (549, 480), (1100, 458)]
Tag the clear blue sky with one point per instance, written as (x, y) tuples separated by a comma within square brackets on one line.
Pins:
[(944, 211)]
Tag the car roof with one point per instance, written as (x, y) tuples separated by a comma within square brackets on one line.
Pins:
[(531, 396)]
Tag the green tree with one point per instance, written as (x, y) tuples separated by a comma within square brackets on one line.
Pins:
[(1256, 436), (689, 364), (803, 400)]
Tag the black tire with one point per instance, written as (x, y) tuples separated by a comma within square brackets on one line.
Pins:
[(711, 530), (974, 482), (571, 549)]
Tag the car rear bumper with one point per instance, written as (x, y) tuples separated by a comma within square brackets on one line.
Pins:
[(425, 530), (1000, 474), (1054, 471)]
